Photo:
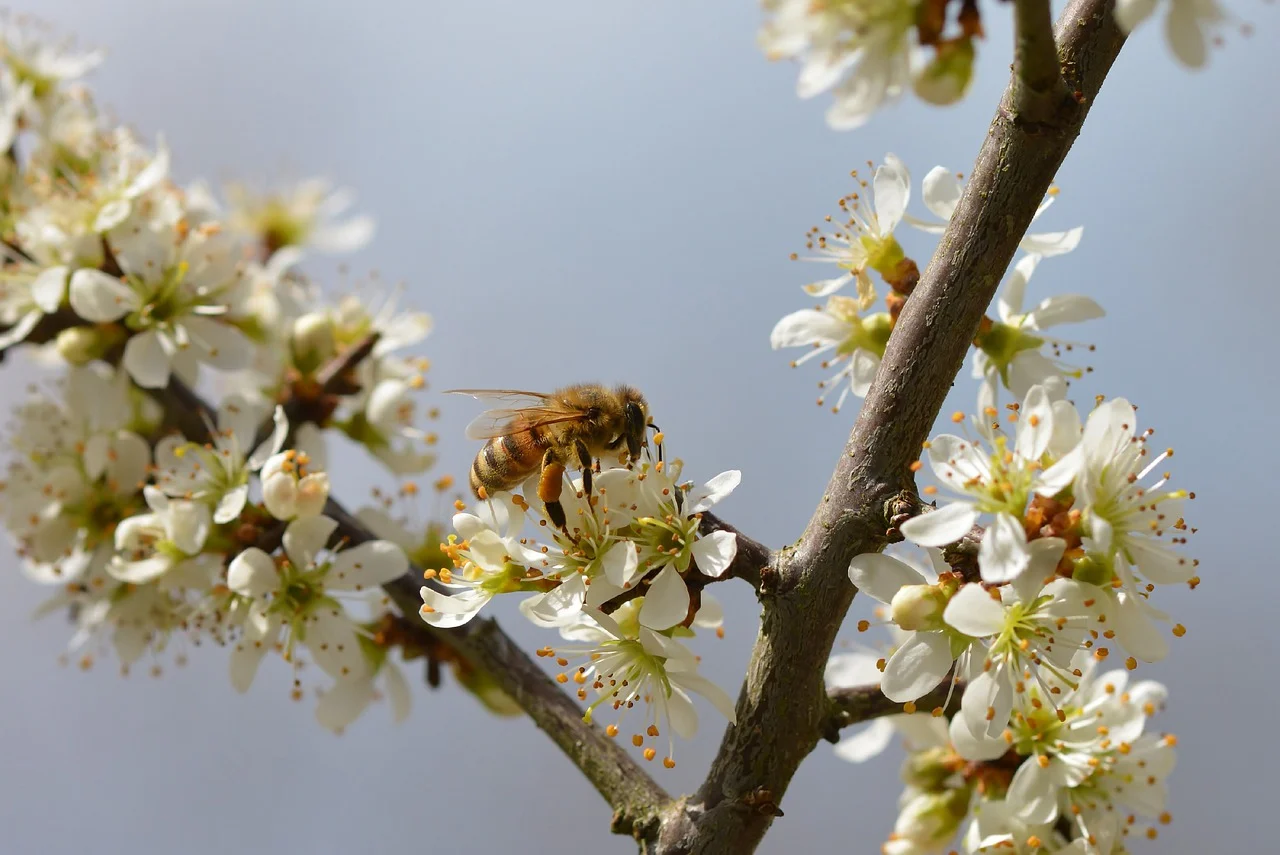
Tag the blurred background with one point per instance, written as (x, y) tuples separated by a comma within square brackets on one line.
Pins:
[(609, 191)]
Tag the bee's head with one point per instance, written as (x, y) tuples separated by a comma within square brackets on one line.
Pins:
[(635, 414)]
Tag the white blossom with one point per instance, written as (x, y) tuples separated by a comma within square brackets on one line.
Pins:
[(1189, 25), (178, 296), (1012, 351), (862, 48), (842, 337), (941, 191), (293, 595)]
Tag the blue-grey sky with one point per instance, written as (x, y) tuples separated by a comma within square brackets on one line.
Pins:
[(582, 190)]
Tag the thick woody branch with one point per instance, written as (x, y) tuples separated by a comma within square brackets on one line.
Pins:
[(1038, 90), (783, 708)]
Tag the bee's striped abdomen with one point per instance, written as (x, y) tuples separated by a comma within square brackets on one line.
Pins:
[(505, 461)]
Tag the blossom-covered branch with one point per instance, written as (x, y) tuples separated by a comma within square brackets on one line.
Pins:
[(872, 482)]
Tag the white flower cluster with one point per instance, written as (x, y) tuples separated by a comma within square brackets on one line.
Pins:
[(1044, 556), (1012, 351), (160, 526), (616, 584), (867, 52), (1072, 770)]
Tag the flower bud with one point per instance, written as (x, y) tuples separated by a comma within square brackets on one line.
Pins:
[(289, 491), (1092, 568), (81, 345), (918, 607), (931, 819), (929, 770), (947, 76), (314, 341)]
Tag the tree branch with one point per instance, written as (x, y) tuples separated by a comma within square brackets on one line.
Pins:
[(1037, 90), (633, 794), (783, 707), (859, 704)]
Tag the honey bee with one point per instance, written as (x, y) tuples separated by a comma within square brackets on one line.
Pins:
[(572, 427)]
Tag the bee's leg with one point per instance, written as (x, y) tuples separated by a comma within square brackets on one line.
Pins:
[(549, 485), (584, 459)]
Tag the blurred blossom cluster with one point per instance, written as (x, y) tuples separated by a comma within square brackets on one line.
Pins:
[(158, 525)]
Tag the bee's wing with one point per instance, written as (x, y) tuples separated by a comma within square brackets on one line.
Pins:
[(494, 423), (538, 409)]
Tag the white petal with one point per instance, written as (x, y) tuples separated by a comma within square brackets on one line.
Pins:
[(1130, 13), (557, 607), (1010, 302), (1136, 631), (667, 601), (713, 553), (807, 327), (223, 346), (1003, 554), (987, 702), (1182, 29), (868, 742), (620, 563), (1158, 563), (19, 331), (973, 612), (681, 714), (48, 287), (825, 287), (915, 668), (252, 573), (366, 566), (343, 702), (941, 192), (864, 365), (100, 298), (709, 690), (704, 497), (187, 526), (851, 671), (304, 538), (941, 527), (127, 460), (397, 692), (1049, 244), (447, 611), (331, 638), (147, 361), (347, 236), (882, 576), (1064, 309), (272, 444), (231, 504), (1032, 793), (1035, 425), (892, 187), (971, 746)]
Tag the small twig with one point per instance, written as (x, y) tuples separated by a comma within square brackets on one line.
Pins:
[(855, 705), (331, 380), (1037, 89), (749, 564)]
